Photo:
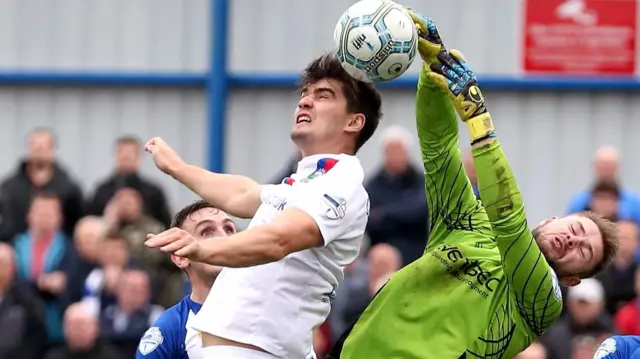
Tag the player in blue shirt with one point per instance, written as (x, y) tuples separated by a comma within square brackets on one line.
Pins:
[(171, 336), (619, 347)]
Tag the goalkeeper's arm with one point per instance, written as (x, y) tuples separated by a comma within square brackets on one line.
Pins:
[(536, 288)]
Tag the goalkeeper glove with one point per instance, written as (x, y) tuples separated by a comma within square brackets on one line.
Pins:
[(429, 41), (453, 74)]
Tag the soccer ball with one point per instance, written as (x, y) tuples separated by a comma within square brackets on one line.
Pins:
[(375, 40)]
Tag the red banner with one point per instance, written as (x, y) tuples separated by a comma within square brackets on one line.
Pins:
[(580, 37)]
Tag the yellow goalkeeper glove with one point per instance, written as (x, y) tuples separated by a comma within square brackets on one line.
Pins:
[(453, 74), (429, 41)]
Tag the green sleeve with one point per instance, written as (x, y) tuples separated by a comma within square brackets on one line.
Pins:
[(531, 280), (450, 198)]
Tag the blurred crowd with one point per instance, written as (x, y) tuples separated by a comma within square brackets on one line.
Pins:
[(75, 277), (77, 281)]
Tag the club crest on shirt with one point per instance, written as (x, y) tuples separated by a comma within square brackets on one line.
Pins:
[(607, 347), (151, 339), (334, 207), (557, 292)]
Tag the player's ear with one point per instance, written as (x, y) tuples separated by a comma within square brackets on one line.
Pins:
[(356, 123), (180, 262), (570, 281)]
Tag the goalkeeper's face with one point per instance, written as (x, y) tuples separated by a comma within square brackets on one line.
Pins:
[(322, 122), (572, 245)]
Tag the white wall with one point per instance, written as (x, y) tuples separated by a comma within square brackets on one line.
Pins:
[(112, 36), (87, 122), (120, 35), (283, 35), (548, 137)]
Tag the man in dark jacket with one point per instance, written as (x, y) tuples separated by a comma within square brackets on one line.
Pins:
[(38, 172), (398, 204), (126, 175), (22, 321), (81, 332), (88, 240), (124, 323), (585, 318)]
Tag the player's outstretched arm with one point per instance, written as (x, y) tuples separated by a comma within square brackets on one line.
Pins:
[(236, 195), (535, 285), (326, 209), (450, 197), (530, 277)]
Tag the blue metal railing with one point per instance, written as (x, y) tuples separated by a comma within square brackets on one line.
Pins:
[(218, 84), (218, 81)]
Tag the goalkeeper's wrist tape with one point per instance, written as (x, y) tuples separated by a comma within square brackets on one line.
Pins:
[(480, 128)]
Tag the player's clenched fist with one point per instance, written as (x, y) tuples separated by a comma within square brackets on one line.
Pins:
[(454, 75), (165, 158), (176, 241)]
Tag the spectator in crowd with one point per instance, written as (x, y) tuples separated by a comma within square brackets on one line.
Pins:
[(100, 285), (534, 351), (470, 170), (124, 323), (127, 174), (585, 319), (125, 214), (618, 279), (88, 238), (82, 340), (382, 261), (354, 283), (627, 319), (39, 172), (22, 325), (606, 166), (42, 258), (584, 347), (605, 200), (398, 204)]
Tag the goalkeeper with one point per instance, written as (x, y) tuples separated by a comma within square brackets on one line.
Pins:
[(487, 285)]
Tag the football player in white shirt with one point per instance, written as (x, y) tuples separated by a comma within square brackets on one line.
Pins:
[(283, 271)]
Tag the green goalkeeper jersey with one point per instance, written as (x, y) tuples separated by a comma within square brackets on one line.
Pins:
[(482, 288)]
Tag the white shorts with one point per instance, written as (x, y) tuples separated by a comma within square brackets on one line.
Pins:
[(231, 352)]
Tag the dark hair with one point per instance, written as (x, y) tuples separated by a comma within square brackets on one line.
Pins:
[(361, 97), (186, 212), (606, 187), (128, 140), (114, 235)]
